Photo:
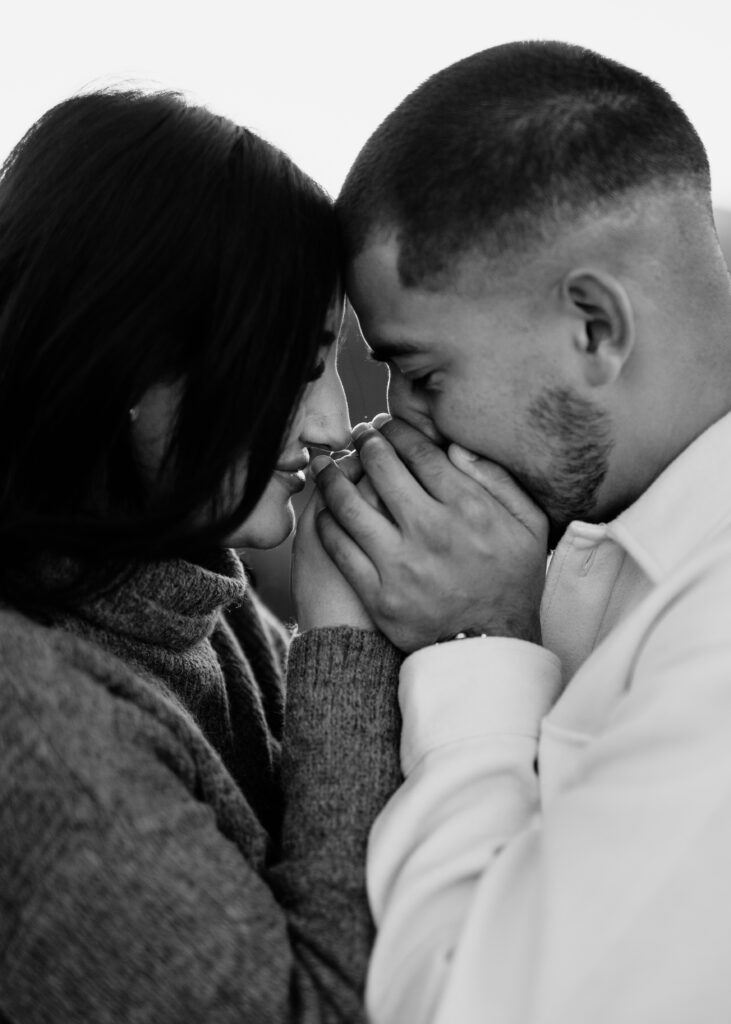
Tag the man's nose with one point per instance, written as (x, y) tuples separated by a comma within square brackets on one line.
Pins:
[(406, 403)]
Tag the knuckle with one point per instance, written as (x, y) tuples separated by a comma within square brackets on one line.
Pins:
[(474, 508), (433, 531), (389, 605)]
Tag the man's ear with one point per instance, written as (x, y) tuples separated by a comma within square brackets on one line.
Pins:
[(604, 333)]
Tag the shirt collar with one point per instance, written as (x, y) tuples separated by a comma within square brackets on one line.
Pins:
[(689, 503)]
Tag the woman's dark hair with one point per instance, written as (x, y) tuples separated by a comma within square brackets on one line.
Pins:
[(145, 240)]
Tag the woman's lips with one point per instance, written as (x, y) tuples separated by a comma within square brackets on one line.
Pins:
[(292, 466), (292, 472)]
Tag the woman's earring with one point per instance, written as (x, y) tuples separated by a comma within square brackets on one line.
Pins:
[(134, 414)]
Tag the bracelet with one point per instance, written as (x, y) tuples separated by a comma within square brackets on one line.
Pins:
[(464, 634)]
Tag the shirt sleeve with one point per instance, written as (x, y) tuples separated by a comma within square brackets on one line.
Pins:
[(610, 904), (471, 715)]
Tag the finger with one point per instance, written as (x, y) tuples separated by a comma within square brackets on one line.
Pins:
[(365, 488), (349, 558), (376, 423), (353, 469), (351, 466), (309, 510), (498, 483), (425, 458), (368, 527), (391, 479)]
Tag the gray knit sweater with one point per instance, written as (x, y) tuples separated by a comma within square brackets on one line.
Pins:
[(159, 860)]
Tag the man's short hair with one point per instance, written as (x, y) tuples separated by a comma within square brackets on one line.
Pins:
[(498, 151)]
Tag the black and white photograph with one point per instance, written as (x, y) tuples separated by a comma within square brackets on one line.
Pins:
[(365, 512)]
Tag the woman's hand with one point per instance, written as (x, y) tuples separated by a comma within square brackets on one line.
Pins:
[(322, 596)]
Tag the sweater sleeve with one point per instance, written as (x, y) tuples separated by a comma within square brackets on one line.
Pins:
[(335, 781), (136, 882)]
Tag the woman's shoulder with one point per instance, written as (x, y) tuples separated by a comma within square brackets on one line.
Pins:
[(32, 654), (62, 693), (77, 719)]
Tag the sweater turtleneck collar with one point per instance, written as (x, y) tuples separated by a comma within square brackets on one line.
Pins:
[(157, 616), (164, 620), (173, 604), (170, 604)]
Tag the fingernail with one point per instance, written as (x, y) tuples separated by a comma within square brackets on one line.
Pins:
[(318, 464), (380, 419), (464, 452), (358, 429)]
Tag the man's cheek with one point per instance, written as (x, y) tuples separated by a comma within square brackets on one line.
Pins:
[(450, 424)]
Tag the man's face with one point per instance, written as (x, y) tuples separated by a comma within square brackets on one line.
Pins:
[(488, 369)]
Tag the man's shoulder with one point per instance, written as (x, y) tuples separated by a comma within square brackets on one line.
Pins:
[(708, 565)]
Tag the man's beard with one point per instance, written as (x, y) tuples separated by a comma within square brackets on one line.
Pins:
[(577, 438)]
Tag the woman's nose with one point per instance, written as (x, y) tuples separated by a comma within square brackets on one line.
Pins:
[(326, 421)]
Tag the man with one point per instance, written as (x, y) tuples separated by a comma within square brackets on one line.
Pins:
[(531, 249)]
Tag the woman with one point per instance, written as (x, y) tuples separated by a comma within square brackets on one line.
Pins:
[(169, 304)]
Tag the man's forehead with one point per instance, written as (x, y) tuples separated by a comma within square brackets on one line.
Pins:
[(373, 290), (373, 273), (396, 320)]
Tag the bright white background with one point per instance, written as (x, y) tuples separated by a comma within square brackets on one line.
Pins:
[(317, 76)]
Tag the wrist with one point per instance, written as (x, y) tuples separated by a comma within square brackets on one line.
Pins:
[(463, 634), (524, 631)]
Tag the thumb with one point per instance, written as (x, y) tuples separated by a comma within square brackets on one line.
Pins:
[(489, 475), (463, 459), (497, 482)]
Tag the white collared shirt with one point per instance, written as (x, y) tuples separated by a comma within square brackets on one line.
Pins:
[(597, 891)]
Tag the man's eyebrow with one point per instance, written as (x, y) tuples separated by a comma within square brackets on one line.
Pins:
[(382, 351)]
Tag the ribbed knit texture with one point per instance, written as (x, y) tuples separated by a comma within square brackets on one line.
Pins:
[(154, 866)]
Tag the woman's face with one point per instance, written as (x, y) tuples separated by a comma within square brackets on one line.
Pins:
[(321, 419)]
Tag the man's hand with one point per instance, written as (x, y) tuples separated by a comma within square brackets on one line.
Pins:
[(322, 596), (456, 546)]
